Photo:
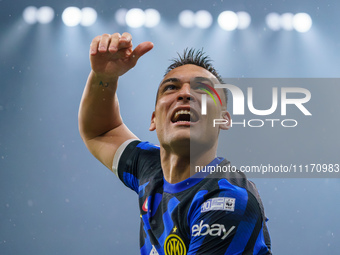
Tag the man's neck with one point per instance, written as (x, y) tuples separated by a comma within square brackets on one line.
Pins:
[(176, 166)]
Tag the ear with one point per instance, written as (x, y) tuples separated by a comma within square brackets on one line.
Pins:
[(226, 116), (153, 122)]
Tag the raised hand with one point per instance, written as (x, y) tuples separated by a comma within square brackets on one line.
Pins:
[(113, 55)]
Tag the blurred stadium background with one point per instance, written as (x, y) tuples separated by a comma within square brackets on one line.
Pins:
[(57, 199)]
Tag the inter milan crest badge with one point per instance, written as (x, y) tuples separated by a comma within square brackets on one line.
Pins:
[(174, 245)]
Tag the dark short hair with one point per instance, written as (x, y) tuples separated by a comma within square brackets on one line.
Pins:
[(194, 57)]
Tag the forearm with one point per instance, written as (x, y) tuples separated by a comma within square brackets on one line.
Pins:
[(100, 124), (99, 108)]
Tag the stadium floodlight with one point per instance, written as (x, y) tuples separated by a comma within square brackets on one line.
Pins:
[(302, 22), (287, 21), (203, 19), (135, 18), (30, 14), (273, 21), (228, 20), (45, 15), (120, 16), (187, 19), (152, 17), (88, 16), (71, 16), (244, 20)]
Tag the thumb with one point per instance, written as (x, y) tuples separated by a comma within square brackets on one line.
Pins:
[(140, 50)]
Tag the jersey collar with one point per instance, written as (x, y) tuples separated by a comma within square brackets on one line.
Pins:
[(190, 182)]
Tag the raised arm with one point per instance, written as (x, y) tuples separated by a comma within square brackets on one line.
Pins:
[(100, 124)]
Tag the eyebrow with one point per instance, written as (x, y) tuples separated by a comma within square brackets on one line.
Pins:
[(198, 78), (203, 79), (170, 80)]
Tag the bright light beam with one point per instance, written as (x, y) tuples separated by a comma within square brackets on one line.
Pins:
[(88, 16), (187, 19), (152, 18), (135, 18), (30, 15), (120, 16), (228, 20), (71, 16), (273, 21), (302, 22), (45, 14), (203, 19), (287, 21), (244, 20)]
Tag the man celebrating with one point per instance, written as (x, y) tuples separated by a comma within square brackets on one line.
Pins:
[(179, 214)]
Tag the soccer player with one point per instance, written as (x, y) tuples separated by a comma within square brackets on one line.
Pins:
[(179, 214)]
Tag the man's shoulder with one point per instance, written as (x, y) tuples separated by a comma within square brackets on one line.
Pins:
[(138, 150), (136, 159)]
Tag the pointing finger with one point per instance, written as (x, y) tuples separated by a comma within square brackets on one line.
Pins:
[(140, 50)]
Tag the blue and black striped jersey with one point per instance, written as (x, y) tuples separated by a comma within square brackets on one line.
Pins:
[(215, 216)]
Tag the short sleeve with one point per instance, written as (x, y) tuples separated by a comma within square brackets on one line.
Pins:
[(132, 160)]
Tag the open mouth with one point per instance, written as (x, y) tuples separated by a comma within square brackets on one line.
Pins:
[(184, 116)]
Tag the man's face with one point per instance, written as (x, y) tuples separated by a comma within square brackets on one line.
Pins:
[(177, 117)]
